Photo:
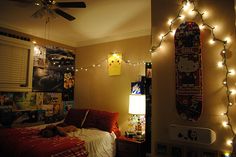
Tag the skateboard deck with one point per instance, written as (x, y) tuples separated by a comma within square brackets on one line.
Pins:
[(188, 71)]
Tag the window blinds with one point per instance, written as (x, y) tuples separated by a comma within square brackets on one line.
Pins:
[(15, 59), (14, 65)]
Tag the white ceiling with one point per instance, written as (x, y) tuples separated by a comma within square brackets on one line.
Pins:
[(101, 21)]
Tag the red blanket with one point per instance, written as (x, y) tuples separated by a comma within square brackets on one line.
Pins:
[(22, 142)]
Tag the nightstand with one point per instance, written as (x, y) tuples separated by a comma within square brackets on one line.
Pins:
[(129, 147)]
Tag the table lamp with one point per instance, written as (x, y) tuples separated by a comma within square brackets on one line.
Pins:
[(137, 106)]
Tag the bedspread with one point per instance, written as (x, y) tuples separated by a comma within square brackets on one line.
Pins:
[(22, 142)]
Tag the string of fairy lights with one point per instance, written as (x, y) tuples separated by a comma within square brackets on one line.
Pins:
[(41, 51), (189, 7), (105, 62)]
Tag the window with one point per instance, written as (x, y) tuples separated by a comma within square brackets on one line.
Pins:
[(15, 65)]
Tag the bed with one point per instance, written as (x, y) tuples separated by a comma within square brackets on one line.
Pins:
[(94, 136)]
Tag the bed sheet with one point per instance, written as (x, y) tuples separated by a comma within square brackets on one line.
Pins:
[(97, 142)]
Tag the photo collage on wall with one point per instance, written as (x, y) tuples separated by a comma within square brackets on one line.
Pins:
[(30, 107), (52, 90), (54, 71)]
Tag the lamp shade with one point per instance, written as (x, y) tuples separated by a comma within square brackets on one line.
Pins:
[(137, 104)]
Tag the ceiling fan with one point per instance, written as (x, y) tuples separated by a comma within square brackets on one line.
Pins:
[(52, 7)]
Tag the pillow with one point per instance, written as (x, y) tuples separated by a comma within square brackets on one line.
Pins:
[(76, 117), (102, 120), (116, 129)]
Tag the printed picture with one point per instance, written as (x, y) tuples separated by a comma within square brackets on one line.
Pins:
[(52, 104), (47, 79), (137, 88), (148, 67), (6, 101), (48, 76), (67, 106), (25, 101), (39, 56), (68, 90)]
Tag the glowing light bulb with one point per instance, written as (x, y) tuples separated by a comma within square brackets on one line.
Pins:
[(173, 32), (86, 69), (223, 114), (211, 41), (233, 91), (94, 65), (191, 13), (161, 36), (230, 103), (76, 70), (231, 72), (224, 83), (229, 142), (228, 39), (182, 17), (186, 6), (99, 65), (225, 124), (202, 27), (169, 22), (215, 27), (205, 14), (34, 42), (220, 64)]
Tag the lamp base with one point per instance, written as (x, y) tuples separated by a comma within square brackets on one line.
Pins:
[(130, 134)]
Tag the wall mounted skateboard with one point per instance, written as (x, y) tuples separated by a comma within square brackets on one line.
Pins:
[(188, 71)]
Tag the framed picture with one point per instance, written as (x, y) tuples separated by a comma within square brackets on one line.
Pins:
[(176, 152), (162, 149)]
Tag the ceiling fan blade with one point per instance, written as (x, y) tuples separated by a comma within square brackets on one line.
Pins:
[(64, 14), (71, 4)]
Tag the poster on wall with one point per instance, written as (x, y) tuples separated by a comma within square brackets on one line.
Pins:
[(24, 101), (137, 87), (69, 83), (47, 79), (48, 75), (114, 64), (52, 104), (39, 57), (6, 101), (67, 105)]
